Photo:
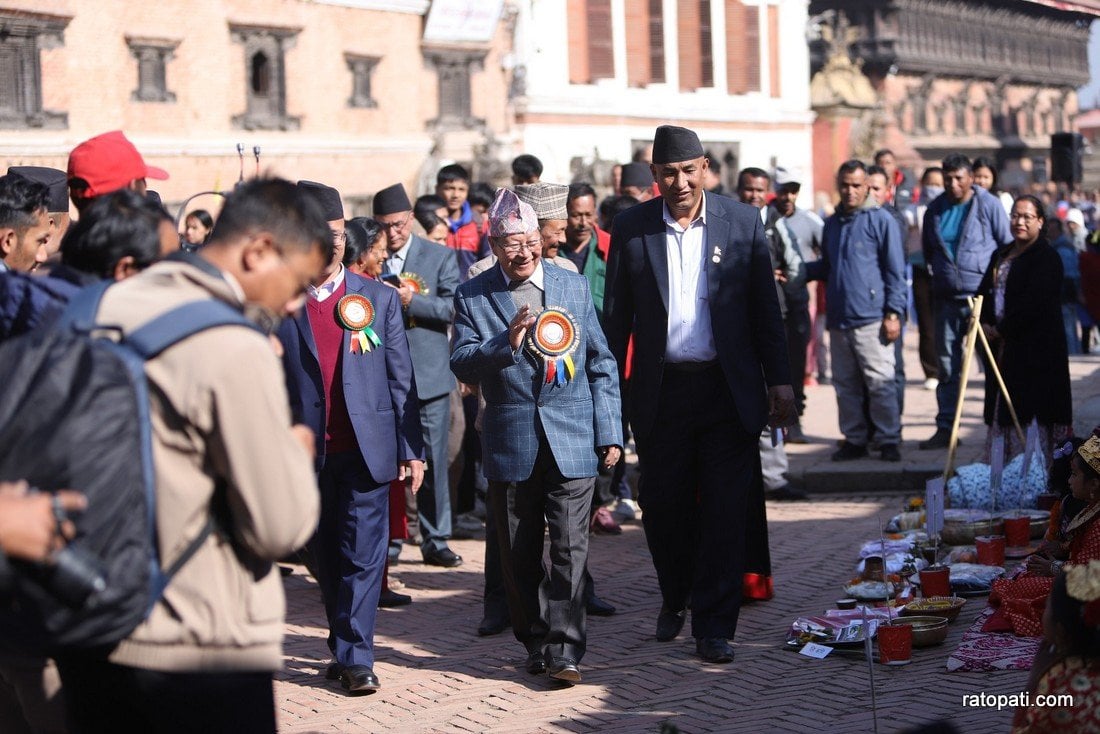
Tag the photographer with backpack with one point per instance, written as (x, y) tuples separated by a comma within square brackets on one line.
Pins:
[(234, 488)]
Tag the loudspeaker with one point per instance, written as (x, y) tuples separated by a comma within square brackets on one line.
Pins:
[(1066, 154)]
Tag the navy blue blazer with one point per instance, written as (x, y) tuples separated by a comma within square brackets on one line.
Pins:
[(430, 316), (576, 418), (379, 387), (744, 309)]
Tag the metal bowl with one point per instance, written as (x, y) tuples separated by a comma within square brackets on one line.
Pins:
[(927, 631), (961, 526), (947, 607)]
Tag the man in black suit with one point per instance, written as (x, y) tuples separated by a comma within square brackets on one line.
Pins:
[(690, 276)]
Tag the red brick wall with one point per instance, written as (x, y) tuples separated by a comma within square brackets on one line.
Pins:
[(742, 47), (687, 23), (638, 72)]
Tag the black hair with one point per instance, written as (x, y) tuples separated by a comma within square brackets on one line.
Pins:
[(1058, 481), (1083, 638), (612, 206), (481, 194), (1039, 208), (850, 166), (930, 169), (203, 216), (984, 162), (274, 205), (873, 169), (956, 162), (751, 173), (428, 203), (120, 224), (579, 189), (432, 220), (361, 235), (526, 167), (883, 152), (714, 164), (453, 172), (20, 201)]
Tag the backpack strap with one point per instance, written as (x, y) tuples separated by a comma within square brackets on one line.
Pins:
[(187, 320), (81, 312)]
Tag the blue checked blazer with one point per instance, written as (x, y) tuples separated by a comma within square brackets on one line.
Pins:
[(577, 418)]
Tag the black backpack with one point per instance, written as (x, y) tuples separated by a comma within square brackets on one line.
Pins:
[(74, 414)]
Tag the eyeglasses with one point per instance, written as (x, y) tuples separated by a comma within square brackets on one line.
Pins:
[(1023, 217), (339, 238), (395, 225), (513, 248)]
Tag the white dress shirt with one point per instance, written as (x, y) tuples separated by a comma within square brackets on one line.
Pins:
[(321, 292), (690, 338), (536, 277)]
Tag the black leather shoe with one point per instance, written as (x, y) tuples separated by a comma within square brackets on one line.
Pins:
[(714, 650), (939, 440), (446, 558), (334, 670), (597, 607), (849, 451), (536, 663), (786, 493), (389, 599), (564, 669), (890, 452), (359, 679), (492, 625), (669, 624)]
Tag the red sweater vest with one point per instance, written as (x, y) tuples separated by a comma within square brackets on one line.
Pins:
[(328, 335)]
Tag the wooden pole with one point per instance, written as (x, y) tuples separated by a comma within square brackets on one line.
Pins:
[(1000, 380), (964, 378)]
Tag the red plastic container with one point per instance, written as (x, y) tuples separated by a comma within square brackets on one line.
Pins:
[(1017, 531), (895, 644), (991, 549), (935, 581)]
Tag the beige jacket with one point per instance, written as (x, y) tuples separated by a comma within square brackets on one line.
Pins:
[(219, 410)]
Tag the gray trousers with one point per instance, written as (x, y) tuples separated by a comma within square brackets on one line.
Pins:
[(547, 609), (862, 360), (433, 501)]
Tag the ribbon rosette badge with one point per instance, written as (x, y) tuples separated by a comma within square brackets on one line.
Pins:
[(415, 283), (553, 339), (356, 314)]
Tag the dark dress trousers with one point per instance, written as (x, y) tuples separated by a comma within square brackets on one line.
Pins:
[(697, 426), (380, 397)]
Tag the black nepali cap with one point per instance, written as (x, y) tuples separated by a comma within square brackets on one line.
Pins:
[(636, 174), (54, 180), (391, 200), (672, 144), (326, 197)]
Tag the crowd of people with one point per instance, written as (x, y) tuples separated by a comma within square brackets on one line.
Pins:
[(489, 354)]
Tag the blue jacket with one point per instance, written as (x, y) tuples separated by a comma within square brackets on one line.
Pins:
[(863, 263), (983, 232), (379, 388), (576, 418), (28, 302)]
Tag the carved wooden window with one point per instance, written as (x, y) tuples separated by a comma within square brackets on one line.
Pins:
[(742, 47), (706, 46), (152, 57), (21, 39), (454, 69), (601, 53), (361, 67), (656, 41), (265, 77)]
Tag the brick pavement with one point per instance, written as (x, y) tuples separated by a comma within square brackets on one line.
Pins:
[(438, 676)]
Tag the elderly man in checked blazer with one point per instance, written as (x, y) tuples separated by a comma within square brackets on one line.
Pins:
[(528, 335)]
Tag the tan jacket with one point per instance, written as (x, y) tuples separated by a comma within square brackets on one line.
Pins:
[(219, 410)]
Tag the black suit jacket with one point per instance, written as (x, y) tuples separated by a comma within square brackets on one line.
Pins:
[(744, 309)]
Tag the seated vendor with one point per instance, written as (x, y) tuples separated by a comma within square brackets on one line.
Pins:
[(1023, 599), (1066, 507), (1069, 662)]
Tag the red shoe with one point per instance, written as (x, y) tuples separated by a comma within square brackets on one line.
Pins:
[(602, 522)]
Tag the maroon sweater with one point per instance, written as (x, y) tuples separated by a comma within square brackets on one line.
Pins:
[(329, 337)]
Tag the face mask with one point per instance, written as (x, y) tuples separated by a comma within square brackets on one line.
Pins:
[(931, 192)]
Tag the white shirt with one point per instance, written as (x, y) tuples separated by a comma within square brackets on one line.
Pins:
[(690, 338), (536, 278), (395, 263), (321, 292)]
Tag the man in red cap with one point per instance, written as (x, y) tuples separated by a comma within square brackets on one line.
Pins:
[(107, 163)]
